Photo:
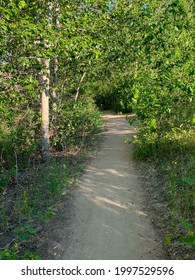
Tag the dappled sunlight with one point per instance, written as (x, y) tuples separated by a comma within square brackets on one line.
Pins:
[(117, 173), (107, 207), (109, 201), (103, 200), (112, 200), (112, 195), (116, 127), (123, 132), (141, 213), (110, 115), (97, 172), (109, 230)]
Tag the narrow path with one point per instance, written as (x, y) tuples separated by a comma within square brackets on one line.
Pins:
[(107, 220)]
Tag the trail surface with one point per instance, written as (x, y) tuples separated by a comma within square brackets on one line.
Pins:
[(106, 217)]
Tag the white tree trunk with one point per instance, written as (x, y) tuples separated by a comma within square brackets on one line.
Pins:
[(45, 91), (55, 83), (78, 89), (45, 110)]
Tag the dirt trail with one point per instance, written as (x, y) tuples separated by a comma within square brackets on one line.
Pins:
[(106, 219)]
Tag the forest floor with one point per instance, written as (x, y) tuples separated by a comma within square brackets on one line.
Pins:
[(105, 215)]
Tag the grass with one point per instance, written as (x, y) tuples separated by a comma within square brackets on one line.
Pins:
[(27, 206), (181, 194), (172, 181), (31, 191)]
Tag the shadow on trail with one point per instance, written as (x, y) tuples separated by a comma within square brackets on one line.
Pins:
[(106, 219)]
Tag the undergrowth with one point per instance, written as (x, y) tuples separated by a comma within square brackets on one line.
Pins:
[(20, 141), (32, 195), (26, 210), (173, 157), (30, 205)]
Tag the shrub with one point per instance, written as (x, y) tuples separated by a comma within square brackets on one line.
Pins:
[(75, 124)]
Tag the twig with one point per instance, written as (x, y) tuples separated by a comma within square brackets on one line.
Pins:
[(80, 82)]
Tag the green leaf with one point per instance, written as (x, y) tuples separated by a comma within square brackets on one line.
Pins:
[(136, 94), (29, 87), (97, 54), (4, 255), (153, 123), (190, 239), (186, 225), (189, 181), (168, 239), (3, 25), (32, 231), (22, 4), (23, 236)]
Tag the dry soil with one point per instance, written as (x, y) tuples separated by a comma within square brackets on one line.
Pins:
[(105, 217)]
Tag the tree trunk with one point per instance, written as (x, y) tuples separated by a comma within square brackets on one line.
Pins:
[(78, 89), (45, 110), (55, 83), (45, 83)]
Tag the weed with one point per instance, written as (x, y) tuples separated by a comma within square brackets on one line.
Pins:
[(11, 254), (174, 156), (35, 202), (15, 254), (25, 231)]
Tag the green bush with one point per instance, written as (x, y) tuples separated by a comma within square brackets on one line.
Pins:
[(75, 124), (19, 141)]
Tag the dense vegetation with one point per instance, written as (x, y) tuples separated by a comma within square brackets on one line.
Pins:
[(46, 47), (124, 55)]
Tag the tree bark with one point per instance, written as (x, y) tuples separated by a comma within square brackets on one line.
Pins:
[(45, 91), (78, 89), (45, 110)]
